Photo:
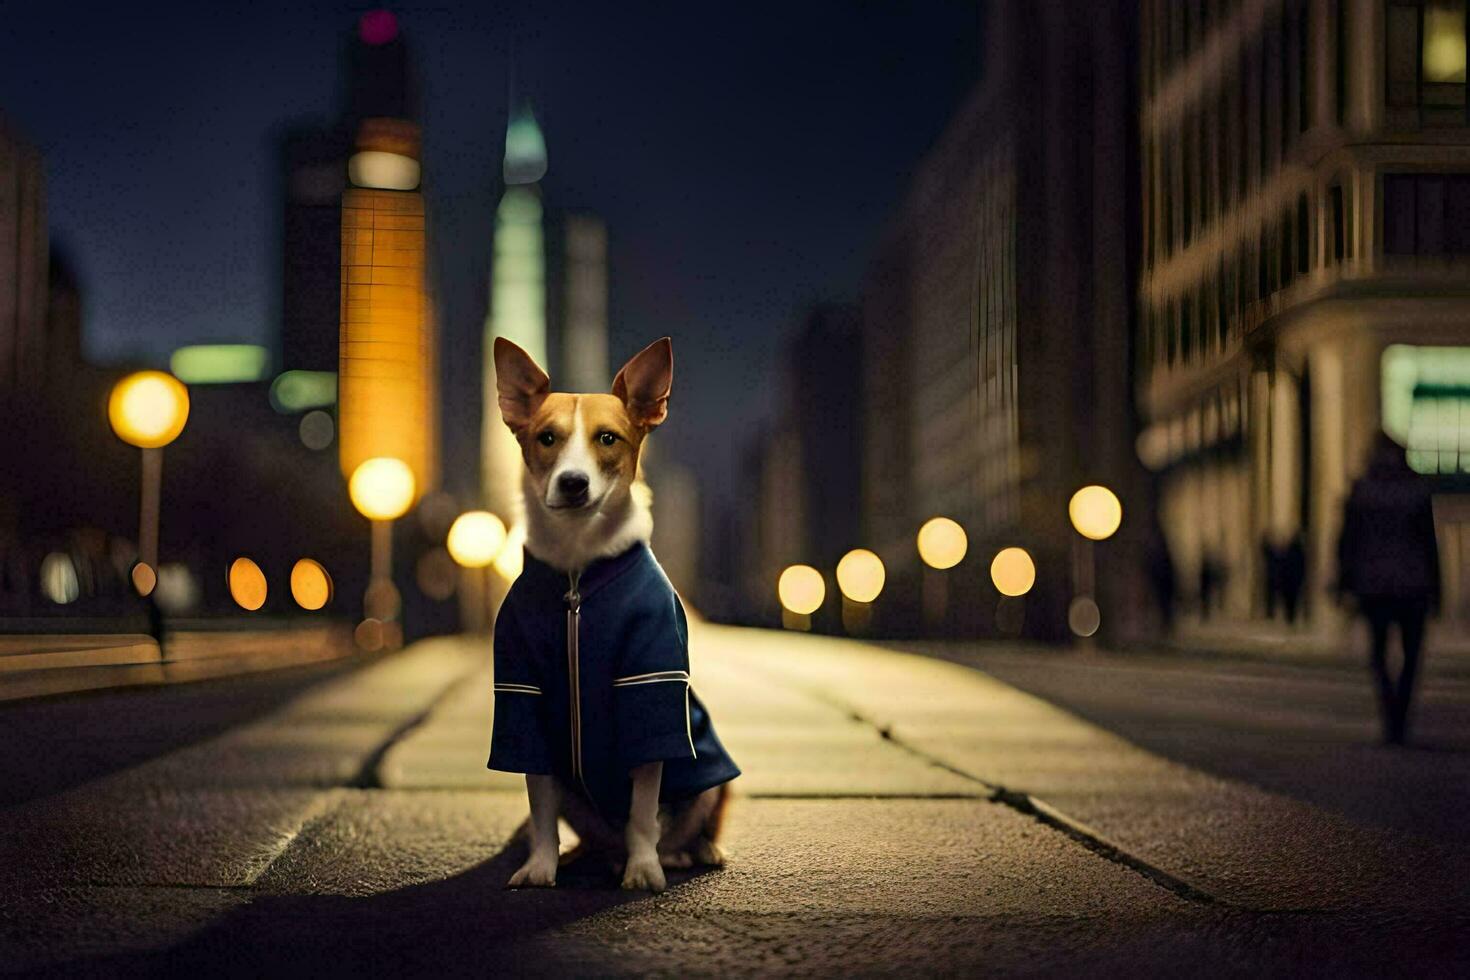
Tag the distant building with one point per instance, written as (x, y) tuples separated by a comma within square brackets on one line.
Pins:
[(997, 326), (1306, 175), (578, 308), (23, 256), (517, 302)]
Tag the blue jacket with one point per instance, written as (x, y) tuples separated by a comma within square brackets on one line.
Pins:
[(592, 679)]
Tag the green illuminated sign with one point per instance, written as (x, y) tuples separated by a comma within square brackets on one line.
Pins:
[(296, 391), (219, 364)]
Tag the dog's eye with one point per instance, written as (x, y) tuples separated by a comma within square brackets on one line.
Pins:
[(606, 438), (546, 438)]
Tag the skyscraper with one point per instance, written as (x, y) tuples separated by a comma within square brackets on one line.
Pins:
[(388, 362), (517, 301)]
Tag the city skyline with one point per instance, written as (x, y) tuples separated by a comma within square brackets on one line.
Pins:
[(860, 95)]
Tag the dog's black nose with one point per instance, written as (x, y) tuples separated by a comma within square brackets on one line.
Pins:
[(572, 484)]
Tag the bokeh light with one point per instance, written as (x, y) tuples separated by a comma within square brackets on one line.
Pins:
[(247, 584), (317, 429), (217, 364), (177, 591), (383, 170), (148, 409), (143, 577), (294, 391), (1013, 571), (1096, 512), (436, 574), (311, 586), (801, 589), (59, 581), (382, 488), (512, 558), (942, 543), (860, 575), (475, 538), (1083, 616), (377, 27)]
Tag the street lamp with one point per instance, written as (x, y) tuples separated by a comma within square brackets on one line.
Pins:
[(148, 409), (942, 544), (1013, 573), (474, 541), (1096, 513), (802, 592), (860, 577), (382, 490)]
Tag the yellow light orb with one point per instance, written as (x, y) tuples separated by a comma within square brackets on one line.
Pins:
[(382, 488), (511, 558), (1013, 571), (247, 584), (801, 589), (148, 409), (942, 543), (311, 586), (475, 538), (860, 575), (1095, 512)]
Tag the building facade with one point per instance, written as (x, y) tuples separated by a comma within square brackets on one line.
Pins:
[(24, 248), (1306, 213), (998, 325)]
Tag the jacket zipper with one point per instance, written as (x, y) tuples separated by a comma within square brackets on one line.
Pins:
[(573, 599)]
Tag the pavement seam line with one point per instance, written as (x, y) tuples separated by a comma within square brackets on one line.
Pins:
[(369, 775), (1040, 811)]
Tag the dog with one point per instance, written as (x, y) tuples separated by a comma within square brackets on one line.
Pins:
[(592, 694)]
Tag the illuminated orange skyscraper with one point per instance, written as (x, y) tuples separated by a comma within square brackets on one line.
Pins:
[(388, 395)]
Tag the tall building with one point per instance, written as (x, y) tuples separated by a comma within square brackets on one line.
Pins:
[(23, 256), (517, 301), (1306, 182), (388, 374), (997, 325), (580, 305)]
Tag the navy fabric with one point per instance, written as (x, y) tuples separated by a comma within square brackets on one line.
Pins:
[(631, 696)]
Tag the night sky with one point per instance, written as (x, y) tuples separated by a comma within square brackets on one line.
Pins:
[(743, 155)]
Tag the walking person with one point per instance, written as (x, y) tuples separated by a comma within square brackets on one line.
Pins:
[(1388, 560)]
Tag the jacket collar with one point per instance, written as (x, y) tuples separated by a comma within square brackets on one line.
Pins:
[(593, 577)]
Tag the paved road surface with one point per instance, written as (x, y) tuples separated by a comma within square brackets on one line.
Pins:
[(899, 813)]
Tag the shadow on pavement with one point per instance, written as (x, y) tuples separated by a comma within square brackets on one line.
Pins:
[(465, 925)]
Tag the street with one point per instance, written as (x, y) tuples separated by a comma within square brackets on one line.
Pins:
[(898, 814)]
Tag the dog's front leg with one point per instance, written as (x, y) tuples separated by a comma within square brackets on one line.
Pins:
[(644, 873), (540, 868)]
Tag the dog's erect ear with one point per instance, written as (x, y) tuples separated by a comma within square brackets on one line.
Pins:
[(520, 384), (644, 382)]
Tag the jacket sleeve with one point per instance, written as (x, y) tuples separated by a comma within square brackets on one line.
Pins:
[(518, 740), (651, 686)]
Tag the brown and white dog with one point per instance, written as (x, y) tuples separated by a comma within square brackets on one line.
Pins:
[(583, 502)]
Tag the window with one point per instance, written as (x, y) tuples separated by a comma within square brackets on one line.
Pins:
[(1426, 214), (1339, 21), (1303, 237), (1339, 225), (1402, 56), (1303, 69), (1425, 59)]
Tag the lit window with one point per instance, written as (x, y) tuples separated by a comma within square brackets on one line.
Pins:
[(1444, 41)]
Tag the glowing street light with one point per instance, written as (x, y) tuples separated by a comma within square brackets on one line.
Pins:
[(1013, 572), (148, 409), (475, 538), (475, 541), (1096, 514), (802, 591), (860, 575), (382, 489), (942, 544), (311, 586)]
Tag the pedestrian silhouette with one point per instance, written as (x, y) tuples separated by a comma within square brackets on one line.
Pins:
[(1292, 576), (1389, 561)]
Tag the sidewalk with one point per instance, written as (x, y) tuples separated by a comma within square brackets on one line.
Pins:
[(896, 812), (41, 664), (1342, 645)]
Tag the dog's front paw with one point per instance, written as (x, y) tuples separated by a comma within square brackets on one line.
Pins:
[(644, 874), (539, 871)]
